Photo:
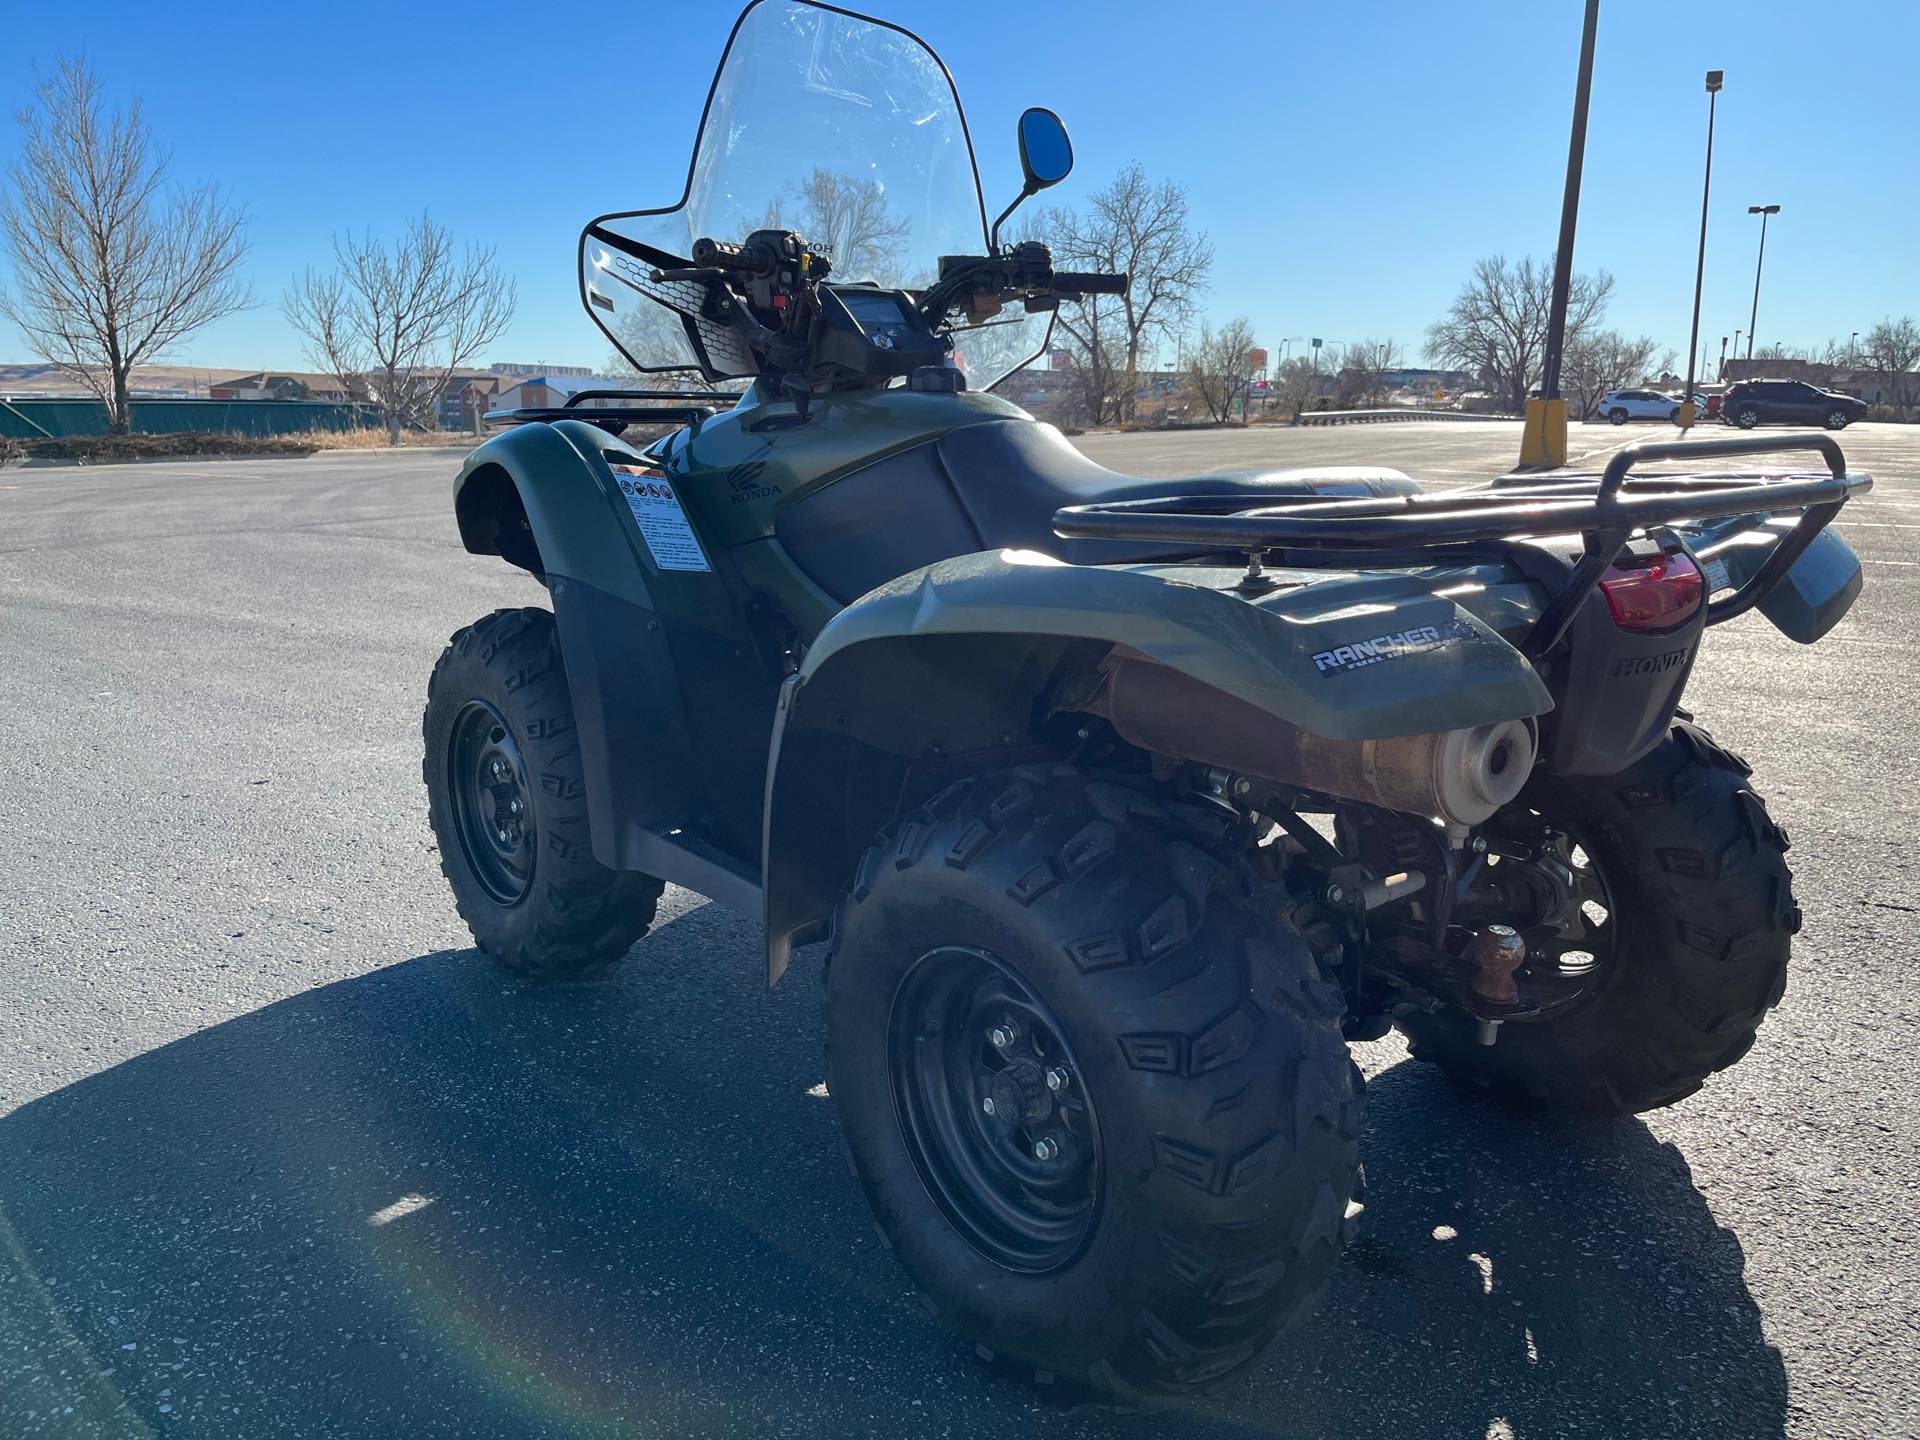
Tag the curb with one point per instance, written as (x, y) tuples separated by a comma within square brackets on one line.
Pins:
[(215, 459)]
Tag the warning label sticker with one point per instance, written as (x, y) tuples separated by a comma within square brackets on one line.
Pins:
[(663, 524)]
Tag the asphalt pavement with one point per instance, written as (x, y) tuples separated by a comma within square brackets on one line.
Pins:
[(281, 1156)]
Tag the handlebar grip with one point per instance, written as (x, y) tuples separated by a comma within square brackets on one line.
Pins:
[(1089, 282), (742, 259)]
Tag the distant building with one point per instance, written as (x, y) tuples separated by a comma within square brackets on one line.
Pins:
[(467, 394), (548, 391), (513, 368), (284, 385)]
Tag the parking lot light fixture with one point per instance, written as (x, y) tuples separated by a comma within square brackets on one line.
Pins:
[(1763, 211), (1687, 417)]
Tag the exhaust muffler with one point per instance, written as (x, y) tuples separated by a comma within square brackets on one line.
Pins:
[(1459, 776)]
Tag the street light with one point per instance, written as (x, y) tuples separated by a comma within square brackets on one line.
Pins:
[(1763, 211), (1723, 360), (1714, 78), (1853, 348)]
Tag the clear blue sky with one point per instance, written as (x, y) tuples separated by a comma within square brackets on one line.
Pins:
[(1349, 161)]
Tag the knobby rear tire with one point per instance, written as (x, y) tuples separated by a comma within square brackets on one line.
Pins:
[(1704, 912)]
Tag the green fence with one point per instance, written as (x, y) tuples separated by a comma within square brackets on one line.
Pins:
[(23, 419)]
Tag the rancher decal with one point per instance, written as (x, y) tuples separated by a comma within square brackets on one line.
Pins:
[(1410, 641)]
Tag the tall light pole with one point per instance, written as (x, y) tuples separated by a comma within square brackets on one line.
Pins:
[(1853, 348), (1723, 360), (1763, 211), (1714, 78), (1543, 438)]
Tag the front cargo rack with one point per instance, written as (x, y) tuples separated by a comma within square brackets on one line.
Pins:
[(1604, 511)]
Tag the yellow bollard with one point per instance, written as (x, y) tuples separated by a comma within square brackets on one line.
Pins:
[(1543, 436), (1686, 419)]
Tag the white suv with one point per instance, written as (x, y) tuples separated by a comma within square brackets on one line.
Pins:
[(1620, 406)]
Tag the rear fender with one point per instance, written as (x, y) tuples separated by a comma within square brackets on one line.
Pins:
[(544, 498), (957, 658)]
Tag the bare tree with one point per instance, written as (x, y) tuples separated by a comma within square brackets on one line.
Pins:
[(1892, 351), (1296, 382), (395, 324), (1497, 324), (1219, 366), (108, 271), (1142, 229), (1598, 361), (1363, 370)]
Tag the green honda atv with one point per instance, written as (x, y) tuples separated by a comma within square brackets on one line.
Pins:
[(1123, 804)]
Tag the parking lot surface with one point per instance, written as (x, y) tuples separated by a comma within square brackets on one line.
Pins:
[(281, 1156)]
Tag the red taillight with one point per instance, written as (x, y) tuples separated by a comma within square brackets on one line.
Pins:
[(1660, 592)]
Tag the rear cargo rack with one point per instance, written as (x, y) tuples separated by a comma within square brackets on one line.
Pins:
[(1604, 511), (616, 418)]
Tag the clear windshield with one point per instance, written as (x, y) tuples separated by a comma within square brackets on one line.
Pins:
[(843, 129)]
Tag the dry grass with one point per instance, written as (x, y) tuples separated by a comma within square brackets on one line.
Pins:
[(86, 449), (375, 438)]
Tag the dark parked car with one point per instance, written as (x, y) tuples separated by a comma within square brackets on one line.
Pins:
[(1789, 402)]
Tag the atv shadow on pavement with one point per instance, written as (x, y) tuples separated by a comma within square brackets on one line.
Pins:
[(433, 1201)]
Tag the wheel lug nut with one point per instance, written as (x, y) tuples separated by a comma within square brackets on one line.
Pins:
[(1003, 1036), (513, 807), (1045, 1148), (1057, 1080), (986, 1105), (503, 836)]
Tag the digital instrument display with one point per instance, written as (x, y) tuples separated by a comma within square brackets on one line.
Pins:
[(883, 315)]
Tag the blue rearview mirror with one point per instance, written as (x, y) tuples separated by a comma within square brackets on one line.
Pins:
[(1046, 155)]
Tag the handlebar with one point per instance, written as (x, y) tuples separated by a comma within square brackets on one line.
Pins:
[(1089, 282)]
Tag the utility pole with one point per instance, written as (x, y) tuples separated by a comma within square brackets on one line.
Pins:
[(1687, 417), (1543, 439)]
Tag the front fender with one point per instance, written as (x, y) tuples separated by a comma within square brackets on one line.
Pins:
[(954, 656), (543, 498)]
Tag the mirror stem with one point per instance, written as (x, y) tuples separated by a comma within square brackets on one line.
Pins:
[(993, 236)]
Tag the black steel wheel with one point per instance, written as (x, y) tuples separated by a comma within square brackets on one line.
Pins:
[(1099, 1104), (507, 801), (1674, 953), (487, 785), (983, 1083)]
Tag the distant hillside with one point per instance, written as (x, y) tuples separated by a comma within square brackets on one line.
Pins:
[(38, 379)]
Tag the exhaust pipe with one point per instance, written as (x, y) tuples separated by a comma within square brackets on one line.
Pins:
[(1459, 776)]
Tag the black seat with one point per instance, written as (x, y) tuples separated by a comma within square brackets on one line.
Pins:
[(996, 486), (1012, 475)]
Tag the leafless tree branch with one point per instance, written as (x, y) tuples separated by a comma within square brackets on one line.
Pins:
[(395, 323), (1497, 324), (1143, 229), (108, 273)]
